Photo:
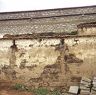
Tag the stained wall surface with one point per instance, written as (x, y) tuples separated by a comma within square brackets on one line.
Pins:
[(32, 56)]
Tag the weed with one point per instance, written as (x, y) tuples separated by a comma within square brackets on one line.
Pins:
[(38, 91), (41, 91), (19, 86), (55, 92)]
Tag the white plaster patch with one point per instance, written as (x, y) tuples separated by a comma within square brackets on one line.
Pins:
[(36, 43), (5, 44)]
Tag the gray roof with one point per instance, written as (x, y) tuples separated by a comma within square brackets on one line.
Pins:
[(62, 20), (75, 11)]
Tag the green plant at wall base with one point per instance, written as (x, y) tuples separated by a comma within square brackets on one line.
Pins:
[(38, 91), (22, 87), (18, 86), (45, 91), (41, 91), (55, 92)]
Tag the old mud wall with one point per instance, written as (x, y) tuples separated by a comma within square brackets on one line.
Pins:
[(48, 62)]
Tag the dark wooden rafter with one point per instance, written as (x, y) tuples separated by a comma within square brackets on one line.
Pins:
[(43, 36)]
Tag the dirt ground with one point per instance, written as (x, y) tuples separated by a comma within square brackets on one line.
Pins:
[(6, 89)]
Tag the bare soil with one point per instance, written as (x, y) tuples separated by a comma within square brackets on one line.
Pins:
[(7, 89)]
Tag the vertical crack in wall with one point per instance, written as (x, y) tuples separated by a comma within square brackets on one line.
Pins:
[(63, 51), (12, 58)]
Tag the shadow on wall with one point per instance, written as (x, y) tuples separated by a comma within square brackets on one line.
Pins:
[(71, 58)]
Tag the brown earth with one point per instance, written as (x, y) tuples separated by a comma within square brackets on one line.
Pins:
[(7, 89)]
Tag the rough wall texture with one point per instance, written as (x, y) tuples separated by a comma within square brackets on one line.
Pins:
[(32, 59)]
